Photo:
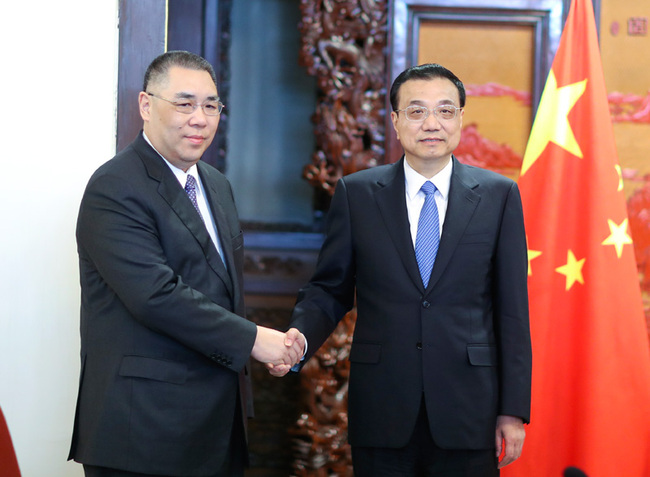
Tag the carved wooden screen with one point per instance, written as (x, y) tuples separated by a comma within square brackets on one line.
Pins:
[(343, 46)]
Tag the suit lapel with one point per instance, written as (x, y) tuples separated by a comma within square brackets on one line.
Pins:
[(462, 203), (175, 196), (223, 229), (391, 200)]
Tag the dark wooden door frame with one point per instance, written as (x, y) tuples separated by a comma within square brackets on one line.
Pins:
[(143, 29)]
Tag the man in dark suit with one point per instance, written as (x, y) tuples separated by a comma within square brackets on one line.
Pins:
[(441, 356), (164, 387)]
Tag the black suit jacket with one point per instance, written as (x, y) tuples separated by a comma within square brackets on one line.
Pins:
[(464, 341), (164, 345)]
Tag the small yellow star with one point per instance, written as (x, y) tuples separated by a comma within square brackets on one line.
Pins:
[(618, 236), (551, 121), (532, 255), (572, 270)]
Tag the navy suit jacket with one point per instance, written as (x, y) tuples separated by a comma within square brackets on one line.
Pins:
[(463, 342), (164, 345)]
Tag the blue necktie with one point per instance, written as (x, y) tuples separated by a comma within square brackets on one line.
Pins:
[(190, 188), (428, 235)]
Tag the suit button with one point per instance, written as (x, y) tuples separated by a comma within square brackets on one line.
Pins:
[(418, 345), (426, 304)]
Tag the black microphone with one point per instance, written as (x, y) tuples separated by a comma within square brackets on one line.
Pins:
[(573, 472)]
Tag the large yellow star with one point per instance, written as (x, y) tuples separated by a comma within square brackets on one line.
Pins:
[(551, 122), (572, 270), (618, 236)]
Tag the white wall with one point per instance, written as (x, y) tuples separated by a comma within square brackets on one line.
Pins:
[(58, 85)]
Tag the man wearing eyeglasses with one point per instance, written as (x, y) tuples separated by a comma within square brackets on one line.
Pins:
[(434, 253), (164, 386)]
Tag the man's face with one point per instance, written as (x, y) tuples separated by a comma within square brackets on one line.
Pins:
[(180, 138), (433, 140)]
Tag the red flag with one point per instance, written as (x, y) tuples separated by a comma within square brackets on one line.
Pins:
[(591, 358), (8, 462)]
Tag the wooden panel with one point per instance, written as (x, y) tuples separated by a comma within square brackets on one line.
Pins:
[(469, 49)]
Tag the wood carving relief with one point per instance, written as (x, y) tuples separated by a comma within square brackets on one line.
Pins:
[(343, 46), (321, 433)]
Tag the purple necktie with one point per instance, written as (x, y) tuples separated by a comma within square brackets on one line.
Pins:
[(428, 235), (190, 188)]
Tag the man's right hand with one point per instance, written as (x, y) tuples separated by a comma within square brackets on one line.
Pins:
[(277, 349)]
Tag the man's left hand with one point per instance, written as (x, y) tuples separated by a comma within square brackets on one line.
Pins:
[(510, 436)]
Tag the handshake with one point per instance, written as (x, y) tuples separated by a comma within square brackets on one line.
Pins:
[(278, 351)]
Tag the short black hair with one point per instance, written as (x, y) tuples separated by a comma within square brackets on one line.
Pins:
[(427, 71), (160, 66)]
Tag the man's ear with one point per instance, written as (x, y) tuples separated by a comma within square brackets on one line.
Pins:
[(394, 118), (144, 102)]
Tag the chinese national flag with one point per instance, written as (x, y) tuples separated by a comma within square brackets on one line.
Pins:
[(591, 358)]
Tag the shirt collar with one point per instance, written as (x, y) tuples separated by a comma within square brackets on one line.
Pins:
[(415, 180)]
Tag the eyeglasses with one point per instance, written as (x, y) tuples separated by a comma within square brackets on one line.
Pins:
[(420, 113), (187, 106)]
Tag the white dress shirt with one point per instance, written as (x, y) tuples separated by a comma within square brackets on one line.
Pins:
[(415, 197)]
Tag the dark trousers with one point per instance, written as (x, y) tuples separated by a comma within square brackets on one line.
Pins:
[(423, 458)]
